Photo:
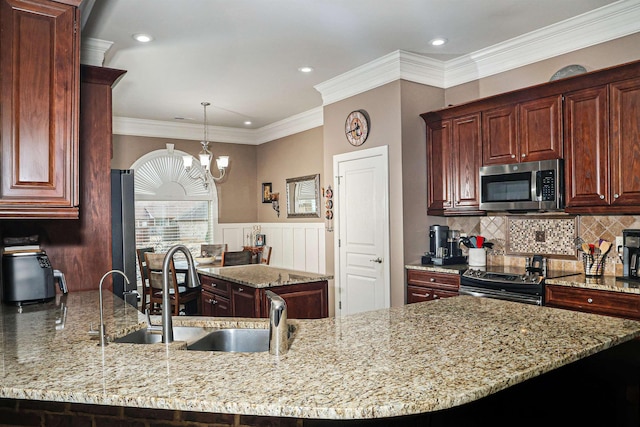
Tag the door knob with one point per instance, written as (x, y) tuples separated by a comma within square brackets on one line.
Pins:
[(378, 260)]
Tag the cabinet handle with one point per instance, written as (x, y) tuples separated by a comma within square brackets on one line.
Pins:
[(213, 285), (602, 197), (212, 301), (432, 279), (240, 289), (615, 196), (420, 295), (513, 156), (589, 300), (524, 155)]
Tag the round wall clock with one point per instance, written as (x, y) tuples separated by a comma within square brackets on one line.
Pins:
[(357, 127)]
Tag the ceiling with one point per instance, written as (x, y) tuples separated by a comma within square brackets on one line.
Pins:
[(243, 56)]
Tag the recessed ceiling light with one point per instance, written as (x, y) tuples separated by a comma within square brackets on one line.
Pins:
[(305, 69), (438, 42), (247, 122), (142, 38)]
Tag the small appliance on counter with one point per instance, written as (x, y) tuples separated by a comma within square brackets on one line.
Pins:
[(630, 254), (444, 247), (27, 275)]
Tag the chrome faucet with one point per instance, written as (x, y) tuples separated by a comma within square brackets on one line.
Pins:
[(278, 328), (103, 329), (167, 322)]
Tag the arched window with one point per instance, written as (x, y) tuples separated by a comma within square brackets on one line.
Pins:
[(172, 205)]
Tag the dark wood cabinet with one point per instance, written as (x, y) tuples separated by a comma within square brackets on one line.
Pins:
[(40, 66), (428, 286), (602, 141), (221, 298), (216, 298), (609, 303), (304, 301), (525, 132), (454, 153), (586, 142), (624, 130), (245, 301)]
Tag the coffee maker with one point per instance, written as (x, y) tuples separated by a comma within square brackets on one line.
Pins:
[(438, 240), (631, 254)]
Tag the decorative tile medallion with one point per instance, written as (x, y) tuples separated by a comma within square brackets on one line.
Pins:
[(544, 235)]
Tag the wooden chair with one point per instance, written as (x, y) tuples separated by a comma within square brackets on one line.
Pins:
[(214, 250), (236, 258), (144, 275), (265, 257), (179, 294)]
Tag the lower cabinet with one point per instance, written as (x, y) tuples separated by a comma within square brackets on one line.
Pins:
[(428, 286), (609, 303), (221, 298)]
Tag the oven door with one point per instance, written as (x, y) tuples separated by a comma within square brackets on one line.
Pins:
[(500, 294)]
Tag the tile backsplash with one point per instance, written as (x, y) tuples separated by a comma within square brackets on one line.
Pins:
[(517, 236)]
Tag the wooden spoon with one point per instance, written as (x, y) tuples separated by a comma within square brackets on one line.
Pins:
[(585, 248), (605, 247)]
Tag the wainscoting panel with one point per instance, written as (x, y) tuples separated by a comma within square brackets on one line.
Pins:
[(299, 246)]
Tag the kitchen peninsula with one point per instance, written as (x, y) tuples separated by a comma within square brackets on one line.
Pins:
[(422, 360)]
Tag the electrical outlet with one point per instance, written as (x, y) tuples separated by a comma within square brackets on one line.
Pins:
[(619, 243)]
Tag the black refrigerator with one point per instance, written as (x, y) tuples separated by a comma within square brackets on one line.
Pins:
[(123, 230)]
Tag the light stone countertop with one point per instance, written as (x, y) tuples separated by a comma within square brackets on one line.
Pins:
[(449, 269), (392, 362), (262, 276), (603, 283)]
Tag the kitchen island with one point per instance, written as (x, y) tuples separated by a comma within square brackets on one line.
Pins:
[(388, 364)]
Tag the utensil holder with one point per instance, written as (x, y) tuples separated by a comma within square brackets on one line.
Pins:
[(593, 264), (477, 257)]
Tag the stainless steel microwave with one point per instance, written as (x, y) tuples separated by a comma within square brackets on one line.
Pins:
[(530, 186)]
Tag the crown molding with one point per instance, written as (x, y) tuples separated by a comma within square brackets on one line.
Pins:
[(598, 26), (601, 25), (391, 67), (589, 29), (93, 51), (162, 129)]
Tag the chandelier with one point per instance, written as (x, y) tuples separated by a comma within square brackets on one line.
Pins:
[(205, 156)]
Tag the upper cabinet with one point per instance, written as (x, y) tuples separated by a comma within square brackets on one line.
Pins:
[(524, 132), (454, 150), (592, 121), (39, 95), (602, 142)]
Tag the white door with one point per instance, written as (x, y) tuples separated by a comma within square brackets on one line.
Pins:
[(362, 211)]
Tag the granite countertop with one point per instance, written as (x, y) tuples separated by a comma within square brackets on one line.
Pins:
[(450, 269), (392, 362), (603, 283), (262, 276)]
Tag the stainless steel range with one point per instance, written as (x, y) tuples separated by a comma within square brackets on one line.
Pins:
[(508, 283)]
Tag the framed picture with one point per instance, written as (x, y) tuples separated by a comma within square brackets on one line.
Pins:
[(266, 192), (260, 239)]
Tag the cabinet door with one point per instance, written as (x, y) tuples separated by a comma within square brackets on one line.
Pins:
[(586, 148), (304, 301), (625, 143), (540, 129), (245, 301), (39, 59), (215, 305), (467, 158), (499, 136), (439, 167)]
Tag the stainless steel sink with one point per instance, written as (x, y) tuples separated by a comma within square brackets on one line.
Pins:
[(233, 340), (180, 333)]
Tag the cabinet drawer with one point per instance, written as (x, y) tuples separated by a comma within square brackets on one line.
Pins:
[(217, 286), (594, 301), (450, 282), (421, 294)]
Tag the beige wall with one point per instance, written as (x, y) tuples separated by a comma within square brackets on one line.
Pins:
[(237, 192), (384, 108), (288, 157), (416, 99), (604, 55)]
